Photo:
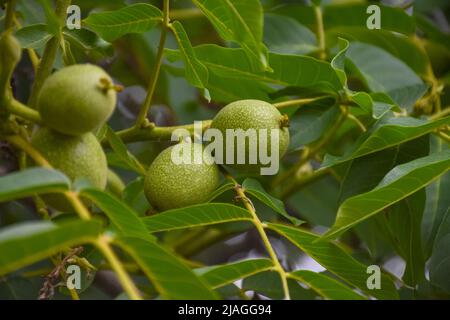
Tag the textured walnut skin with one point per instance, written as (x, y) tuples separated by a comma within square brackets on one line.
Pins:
[(76, 99), (169, 185)]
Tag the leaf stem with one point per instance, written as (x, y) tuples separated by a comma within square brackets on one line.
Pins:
[(299, 102), (188, 13), (443, 113), (142, 116), (17, 108), (24, 145), (443, 136), (48, 58), (103, 244), (262, 233), (358, 123), (151, 132), (10, 13), (78, 206), (320, 32)]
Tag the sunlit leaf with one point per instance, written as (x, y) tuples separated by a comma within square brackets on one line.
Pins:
[(28, 242), (135, 18), (240, 21), (30, 182), (195, 216), (122, 217)]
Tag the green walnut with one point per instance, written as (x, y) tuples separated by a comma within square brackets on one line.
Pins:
[(257, 115), (76, 156), (170, 184), (77, 99)]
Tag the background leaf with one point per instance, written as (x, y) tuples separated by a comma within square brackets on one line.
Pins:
[(240, 21), (33, 36), (135, 18)]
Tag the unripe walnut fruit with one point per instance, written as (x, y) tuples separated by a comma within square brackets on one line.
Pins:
[(252, 114), (169, 185), (77, 99), (77, 157)]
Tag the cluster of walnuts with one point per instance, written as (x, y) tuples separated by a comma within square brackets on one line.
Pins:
[(79, 99)]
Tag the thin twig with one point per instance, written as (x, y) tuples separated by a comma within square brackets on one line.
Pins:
[(260, 228), (142, 116), (320, 32), (49, 55)]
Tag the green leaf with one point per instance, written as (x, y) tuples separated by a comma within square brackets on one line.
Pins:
[(318, 202), (53, 23), (268, 284), (404, 220), (221, 190), (135, 18), (288, 70), (383, 72), (438, 201), (338, 62), (122, 152), (227, 90), (325, 286), (32, 181), (376, 104), (398, 184), (432, 31), (133, 195), (19, 288), (398, 45), (239, 21), (26, 243), (218, 276), (286, 36), (440, 261), (34, 36), (88, 40), (336, 260), (364, 173), (196, 73), (310, 123), (195, 216), (394, 19), (122, 217), (170, 276), (386, 134), (350, 15), (253, 187)]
